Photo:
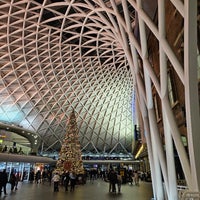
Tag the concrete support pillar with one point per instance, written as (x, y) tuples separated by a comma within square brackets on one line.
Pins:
[(156, 150), (191, 90), (172, 183)]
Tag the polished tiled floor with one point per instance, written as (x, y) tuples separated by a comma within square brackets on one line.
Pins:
[(90, 191)]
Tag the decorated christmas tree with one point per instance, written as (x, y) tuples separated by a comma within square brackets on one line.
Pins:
[(70, 154)]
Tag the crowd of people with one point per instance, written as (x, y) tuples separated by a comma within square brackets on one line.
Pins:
[(69, 179), (13, 180), (116, 179), (11, 149)]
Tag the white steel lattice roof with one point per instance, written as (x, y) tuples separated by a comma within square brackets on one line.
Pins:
[(56, 56)]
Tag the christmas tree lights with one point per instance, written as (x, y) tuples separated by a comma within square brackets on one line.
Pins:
[(70, 154)]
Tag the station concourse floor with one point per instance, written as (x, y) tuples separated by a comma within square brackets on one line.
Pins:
[(97, 190)]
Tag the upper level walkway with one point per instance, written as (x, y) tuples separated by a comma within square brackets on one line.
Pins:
[(97, 190)]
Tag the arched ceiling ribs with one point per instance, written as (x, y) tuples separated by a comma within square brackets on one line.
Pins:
[(121, 148), (94, 147), (59, 56)]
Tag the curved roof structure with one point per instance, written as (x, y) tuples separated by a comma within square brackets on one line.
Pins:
[(91, 57), (59, 56)]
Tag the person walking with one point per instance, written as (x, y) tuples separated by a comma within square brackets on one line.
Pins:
[(56, 180), (17, 180), (31, 176), (113, 180), (72, 181), (3, 181), (38, 177), (119, 182), (66, 180), (12, 181), (136, 178)]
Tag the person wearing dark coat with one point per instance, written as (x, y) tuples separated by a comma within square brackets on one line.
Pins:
[(3, 181), (38, 177), (72, 177), (12, 181), (66, 180), (31, 176), (113, 180)]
